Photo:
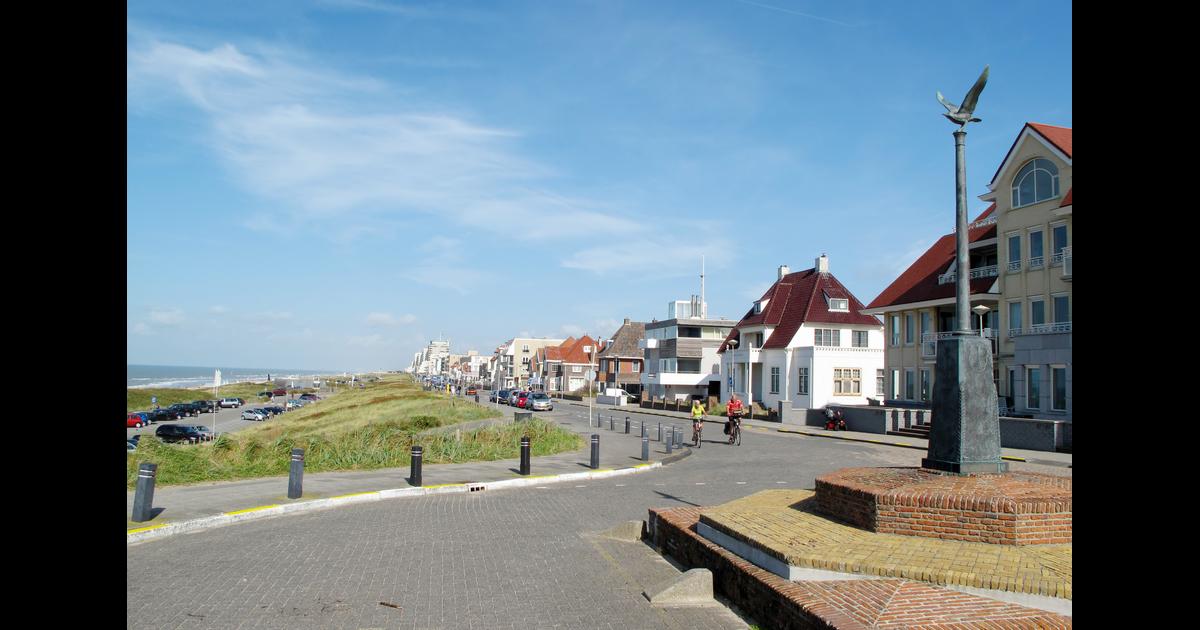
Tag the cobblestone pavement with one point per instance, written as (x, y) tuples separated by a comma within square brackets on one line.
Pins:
[(523, 557)]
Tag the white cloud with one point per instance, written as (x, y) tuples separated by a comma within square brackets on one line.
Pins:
[(387, 319), (166, 316)]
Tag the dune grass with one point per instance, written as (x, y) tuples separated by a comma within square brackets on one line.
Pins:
[(361, 429)]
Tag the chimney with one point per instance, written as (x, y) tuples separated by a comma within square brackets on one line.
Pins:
[(627, 321), (823, 264), (783, 271)]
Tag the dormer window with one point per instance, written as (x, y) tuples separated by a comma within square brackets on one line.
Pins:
[(1036, 181), (839, 304), (758, 306)]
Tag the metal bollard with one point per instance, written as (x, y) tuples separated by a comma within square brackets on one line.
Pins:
[(644, 429), (610, 423), (660, 432), (645, 448), (143, 498), (296, 474), (626, 425), (414, 475), (679, 438), (670, 440), (595, 451), (525, 455)]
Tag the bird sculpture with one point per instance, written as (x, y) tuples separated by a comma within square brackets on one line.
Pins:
[(961, 114)]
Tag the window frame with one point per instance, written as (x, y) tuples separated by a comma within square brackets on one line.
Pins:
[(774, 380), (1033, 385), (1054, 382), (802, 381), (843, 377), (865, 335), (1033, 167)]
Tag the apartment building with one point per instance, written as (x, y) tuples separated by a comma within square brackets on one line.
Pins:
[(514, 358), (679, 354), (804, 344), (918, 309), (1031, 190)]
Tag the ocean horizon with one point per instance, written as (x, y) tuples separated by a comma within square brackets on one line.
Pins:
[(187, 376)]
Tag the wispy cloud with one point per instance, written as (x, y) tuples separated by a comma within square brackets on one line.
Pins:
[(166, 316), (387, 319)]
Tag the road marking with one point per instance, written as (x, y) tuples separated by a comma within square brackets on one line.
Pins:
[(780, 482), (543, 488), (145, 529), (620, 485), (741, 483), (1015, 459), (699, 483), (253, 509), (580, 486)]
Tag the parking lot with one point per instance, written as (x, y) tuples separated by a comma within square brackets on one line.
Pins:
[(226, 420)]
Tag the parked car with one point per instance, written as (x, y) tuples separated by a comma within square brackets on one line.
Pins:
[(231, 403), (503, 396), (130, 448), (154, 416), (312, 397), (205, 432), (279, 392), (254, 414), (136, 421), (522, 399), (241, 401), (295, 404), (471, 391), (540, 400), (167, 414), (205, 406), (275, 409), (178, 433), (135, 439), (183, 410)]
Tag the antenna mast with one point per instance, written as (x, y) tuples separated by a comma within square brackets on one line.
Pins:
[(703, 306)]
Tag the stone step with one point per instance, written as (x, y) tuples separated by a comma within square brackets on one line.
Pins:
[(919, 431)]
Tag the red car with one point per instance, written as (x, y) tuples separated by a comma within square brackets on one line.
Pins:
[(522, 398), (135, 421)]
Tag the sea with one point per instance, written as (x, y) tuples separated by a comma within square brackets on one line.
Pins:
[(185, 376)]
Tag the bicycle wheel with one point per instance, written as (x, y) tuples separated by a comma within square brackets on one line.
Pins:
[(739, 435)]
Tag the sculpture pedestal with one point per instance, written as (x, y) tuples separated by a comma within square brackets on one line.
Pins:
[(965, 436)]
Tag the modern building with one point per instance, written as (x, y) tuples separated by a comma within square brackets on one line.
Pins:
[(804, 344), (621, 359), (679, 354), (514, 358), (434, 358)]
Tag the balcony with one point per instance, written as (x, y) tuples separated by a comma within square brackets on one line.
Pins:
[(1014, 266), (1037, 262), (1066, 263), (929, 341), (643, 344), (991, 271), (1052, 328)]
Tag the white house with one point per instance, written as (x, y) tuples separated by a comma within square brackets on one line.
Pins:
[(805, 344)]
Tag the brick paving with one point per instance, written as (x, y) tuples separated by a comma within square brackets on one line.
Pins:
[(785, 524)]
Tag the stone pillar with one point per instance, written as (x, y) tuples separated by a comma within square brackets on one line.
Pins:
[(965, 436)]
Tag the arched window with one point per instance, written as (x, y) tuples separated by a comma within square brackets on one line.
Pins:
[(1036, 181)]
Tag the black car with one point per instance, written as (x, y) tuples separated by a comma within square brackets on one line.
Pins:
[(178, 433), (205, 406), (182, 410), (158, 415), (502, 398), (134, 440)]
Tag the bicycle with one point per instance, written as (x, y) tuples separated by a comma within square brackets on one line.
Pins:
[(697, 430), (735, 430)]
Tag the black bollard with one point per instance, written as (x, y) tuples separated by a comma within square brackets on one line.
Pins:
[(414, 475), (659, 431), (670, 440), (644, 434), (645, 448), (143, 498), (296, 474), (595, 451), (525, 455), (626, 425), (610, 423)]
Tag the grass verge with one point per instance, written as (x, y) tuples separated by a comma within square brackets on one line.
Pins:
[(363, 429)]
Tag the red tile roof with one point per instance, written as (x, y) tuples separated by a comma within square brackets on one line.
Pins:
[(919, 283), (799, 298), (1066, 200), (1060, 137), (574, 352)]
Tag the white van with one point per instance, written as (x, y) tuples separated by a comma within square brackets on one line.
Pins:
[(230, 402)]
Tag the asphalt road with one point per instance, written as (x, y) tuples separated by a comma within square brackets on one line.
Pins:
[(513, 558)]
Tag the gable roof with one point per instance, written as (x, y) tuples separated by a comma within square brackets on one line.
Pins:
[(799, 298), (1057, 137), (624, 341), (574, 353), (1066, 200), (919, 283)]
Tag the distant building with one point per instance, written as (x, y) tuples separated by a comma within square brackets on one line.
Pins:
[(679, 354), (621, 360)]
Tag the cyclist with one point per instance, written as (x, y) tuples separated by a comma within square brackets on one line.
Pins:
[(697, 420), (733, 411)]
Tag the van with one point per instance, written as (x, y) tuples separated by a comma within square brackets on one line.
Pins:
[(231, 402)]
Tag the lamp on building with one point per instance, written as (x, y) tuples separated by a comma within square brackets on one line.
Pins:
[(980, 310)]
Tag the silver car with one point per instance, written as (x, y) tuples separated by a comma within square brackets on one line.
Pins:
[(254, 414), (539, 401)]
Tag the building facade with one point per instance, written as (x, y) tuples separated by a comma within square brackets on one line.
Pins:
[(621, 361), (679, 355)]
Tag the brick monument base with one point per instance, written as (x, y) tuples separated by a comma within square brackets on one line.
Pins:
[(1013, 508)]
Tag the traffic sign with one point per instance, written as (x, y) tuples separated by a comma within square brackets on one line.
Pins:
[(591, 375)]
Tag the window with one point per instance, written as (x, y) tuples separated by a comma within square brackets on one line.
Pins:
[(603, 365), (774, 380), (880, 386), (617, 365), (908, 329), (895, 384), (925, 385), (758, 340), (1012, 382), (576, 369), (667, 366), (1033, 388), (827, 337), (802, 381), (1037, 311), (847, 381), (525, 348), (926, 321), (1036, 254), (839, 304), (1014, 319), (860, 339), (1062, 309), (1058, 241), (637, 366), (1014, 252), (1058, 387), (908, 385), (895, 330), (1036, 181)]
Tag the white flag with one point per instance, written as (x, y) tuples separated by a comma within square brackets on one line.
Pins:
[(217, 379)]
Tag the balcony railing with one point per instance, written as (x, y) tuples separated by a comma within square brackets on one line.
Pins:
[(1042, 329), (990, 271), (929, 340), (1014, 266), (1037, 262), (1066, 258)]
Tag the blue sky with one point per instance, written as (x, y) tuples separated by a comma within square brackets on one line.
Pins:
[(331, 184)]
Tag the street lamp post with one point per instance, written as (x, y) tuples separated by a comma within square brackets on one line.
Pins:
[(980, 310)]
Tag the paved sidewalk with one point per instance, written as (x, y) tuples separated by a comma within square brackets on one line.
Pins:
[(183, 503), (1014, 454)]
